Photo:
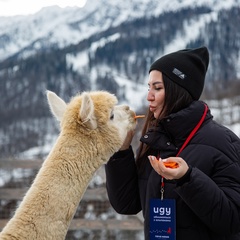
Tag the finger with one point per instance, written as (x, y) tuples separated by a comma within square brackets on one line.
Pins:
[(157, 165), (153, 162)]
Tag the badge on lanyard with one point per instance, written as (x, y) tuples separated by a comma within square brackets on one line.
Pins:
[(162, 219)]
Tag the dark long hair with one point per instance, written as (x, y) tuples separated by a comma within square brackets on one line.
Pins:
[(176, 99)]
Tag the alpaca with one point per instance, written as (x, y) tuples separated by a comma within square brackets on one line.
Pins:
[(92, 128)]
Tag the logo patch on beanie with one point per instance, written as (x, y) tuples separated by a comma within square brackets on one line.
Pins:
[(179, 73)]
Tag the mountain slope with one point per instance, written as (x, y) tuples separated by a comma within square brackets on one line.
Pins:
[(54, 26)]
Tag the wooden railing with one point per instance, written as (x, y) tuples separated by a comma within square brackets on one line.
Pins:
[(133, 223)]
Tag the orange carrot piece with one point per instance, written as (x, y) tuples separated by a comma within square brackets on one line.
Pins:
[(171, 164), (139, 116)]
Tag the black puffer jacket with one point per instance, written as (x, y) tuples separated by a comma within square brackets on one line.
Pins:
[(208, 200)]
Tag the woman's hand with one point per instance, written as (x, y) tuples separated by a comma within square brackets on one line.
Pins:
[(128, 140), (169, 173)]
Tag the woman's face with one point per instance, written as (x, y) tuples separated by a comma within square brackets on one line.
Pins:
[(156, 92)]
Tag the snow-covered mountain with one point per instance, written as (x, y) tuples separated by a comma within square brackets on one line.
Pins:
[(105, 45), (59, 27)]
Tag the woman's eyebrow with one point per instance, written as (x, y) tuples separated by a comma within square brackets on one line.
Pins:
[(155, 83)]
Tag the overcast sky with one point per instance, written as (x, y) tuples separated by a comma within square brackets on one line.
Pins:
[(24, 7)]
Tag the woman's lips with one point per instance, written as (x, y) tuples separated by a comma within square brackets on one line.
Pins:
[(152, 108)]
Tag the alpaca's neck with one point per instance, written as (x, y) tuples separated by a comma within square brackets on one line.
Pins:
[(51, 202)]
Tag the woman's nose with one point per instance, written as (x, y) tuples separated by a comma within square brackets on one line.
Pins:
[(150, 96)]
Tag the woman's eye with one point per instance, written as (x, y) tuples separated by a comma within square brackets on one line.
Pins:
[(156, 89)]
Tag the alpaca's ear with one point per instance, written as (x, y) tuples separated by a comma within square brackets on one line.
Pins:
[(86, 113), (56, 104)]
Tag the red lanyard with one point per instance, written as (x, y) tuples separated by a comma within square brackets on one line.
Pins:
[(194, 130), (187, 141)]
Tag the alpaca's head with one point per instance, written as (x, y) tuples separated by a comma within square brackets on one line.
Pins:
[(94, 116)]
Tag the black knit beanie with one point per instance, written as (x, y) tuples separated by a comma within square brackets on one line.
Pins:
[(186, 68)]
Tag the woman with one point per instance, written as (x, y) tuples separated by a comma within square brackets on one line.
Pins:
[(205, 185)]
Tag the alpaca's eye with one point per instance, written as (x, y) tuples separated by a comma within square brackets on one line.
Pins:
[(112, 116)]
